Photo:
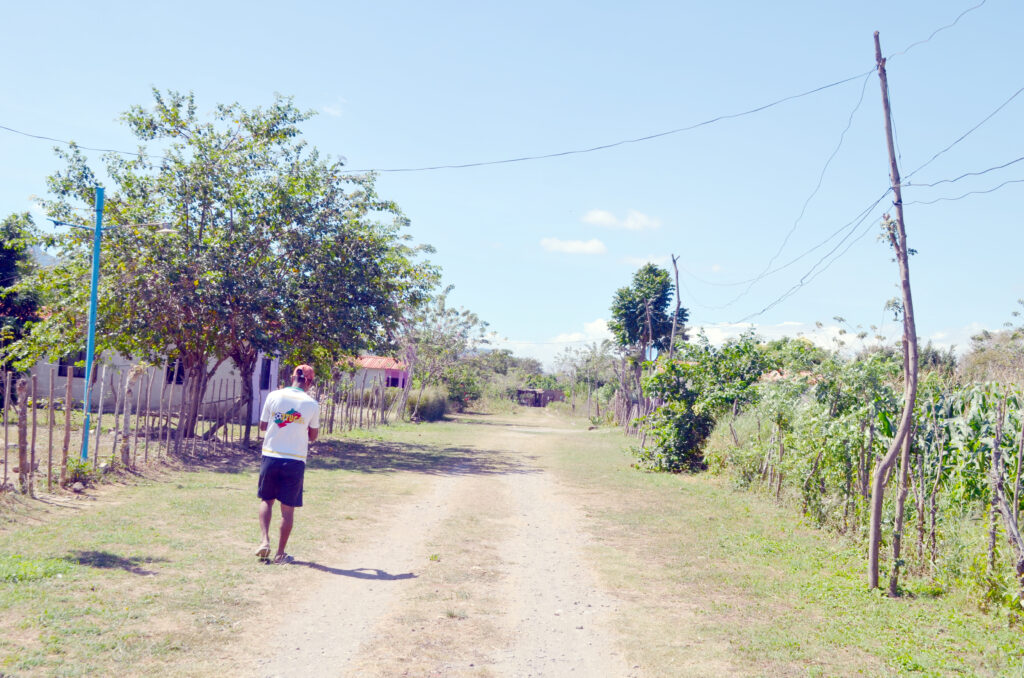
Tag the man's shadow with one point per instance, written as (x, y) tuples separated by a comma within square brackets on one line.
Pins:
[(358, 573)]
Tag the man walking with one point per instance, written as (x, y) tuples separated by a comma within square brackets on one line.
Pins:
[(291, 419)]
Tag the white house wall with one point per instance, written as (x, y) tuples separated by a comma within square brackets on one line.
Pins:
[(223, 388)]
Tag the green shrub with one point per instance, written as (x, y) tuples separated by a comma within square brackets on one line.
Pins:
[(463, 388), (722, 456), (433, 404), (677, 435), (79, 471)]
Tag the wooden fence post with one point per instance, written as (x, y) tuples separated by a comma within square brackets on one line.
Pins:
[(139, 380), (170, 404), (180, 431), (149, 416), (99, 418), (7, 442), (49, 439), (32, 442), (126, 413), (23, 471), (67, 427)]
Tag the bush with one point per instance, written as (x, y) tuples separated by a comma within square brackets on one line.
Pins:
[(463, 388), (432, 404), (79, 471), (678, 435), (723, 456)]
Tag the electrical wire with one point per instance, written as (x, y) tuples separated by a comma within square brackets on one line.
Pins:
[(817, 187), (814, 271), (850, 225), (936, 31), (965, 175), (967, 133), (967, 194), (544, 156)]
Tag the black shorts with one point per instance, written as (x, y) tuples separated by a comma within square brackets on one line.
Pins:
[(281, 479)]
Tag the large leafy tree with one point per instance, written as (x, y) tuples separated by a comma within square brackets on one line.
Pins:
[(17, 307), (273, 248), (439, 339), (641, 313)]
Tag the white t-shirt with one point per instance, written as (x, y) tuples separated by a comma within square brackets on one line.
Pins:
[(289, 414)]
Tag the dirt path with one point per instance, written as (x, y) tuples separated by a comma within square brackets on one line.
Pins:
[(481, 575)]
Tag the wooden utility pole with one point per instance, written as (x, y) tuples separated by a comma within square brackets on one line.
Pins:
[(898, 240), (672, 337)]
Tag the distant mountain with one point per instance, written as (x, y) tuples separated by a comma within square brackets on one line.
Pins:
[(42, 258)]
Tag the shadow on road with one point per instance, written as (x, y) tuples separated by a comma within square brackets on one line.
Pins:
[(108, 561), (387, 457), (358, 573)]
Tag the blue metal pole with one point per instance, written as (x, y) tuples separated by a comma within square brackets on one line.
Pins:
[(90, 348)]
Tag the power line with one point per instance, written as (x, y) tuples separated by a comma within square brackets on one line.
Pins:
[(937, 31), (967, 194), (70, 143), (803, 210), (545, 156), (967, 133), (852, 223), (965, 175), (814, 272)]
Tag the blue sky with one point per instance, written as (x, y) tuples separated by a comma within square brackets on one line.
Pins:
[(538, 248)]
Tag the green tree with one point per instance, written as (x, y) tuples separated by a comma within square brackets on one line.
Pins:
[(641, 314), (274, 249), (440, 337), (18, 307)]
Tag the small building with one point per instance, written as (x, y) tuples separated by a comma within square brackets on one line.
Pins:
[(367, 370), (538, 397), (223, 388)]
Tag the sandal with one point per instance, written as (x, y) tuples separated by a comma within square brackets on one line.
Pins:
[(283, 559), (263, 552)]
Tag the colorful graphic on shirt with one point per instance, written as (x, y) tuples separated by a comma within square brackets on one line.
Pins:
[(282, 419)]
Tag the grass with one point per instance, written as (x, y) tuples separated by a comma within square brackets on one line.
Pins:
[(156, 575), (745, 582)]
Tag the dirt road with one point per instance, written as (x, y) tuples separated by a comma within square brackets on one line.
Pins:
[(481, 573)]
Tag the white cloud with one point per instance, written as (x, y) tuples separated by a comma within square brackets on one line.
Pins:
[(638, 221), (334, 109), (600, 218), (546, 351), (592, 246), (831, 337), (634, 220), (957, 338), (649, 259), (715, 268)]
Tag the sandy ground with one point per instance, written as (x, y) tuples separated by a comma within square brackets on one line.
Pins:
[(484, 574)]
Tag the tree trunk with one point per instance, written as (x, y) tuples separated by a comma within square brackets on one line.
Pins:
[(247, 369), (897, 533)]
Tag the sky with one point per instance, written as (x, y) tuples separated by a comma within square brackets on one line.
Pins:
[(774, 215)]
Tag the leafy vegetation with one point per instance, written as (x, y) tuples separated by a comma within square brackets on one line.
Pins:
[(266, 247)]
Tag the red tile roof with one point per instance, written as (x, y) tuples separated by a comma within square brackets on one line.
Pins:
[(374, 362)]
